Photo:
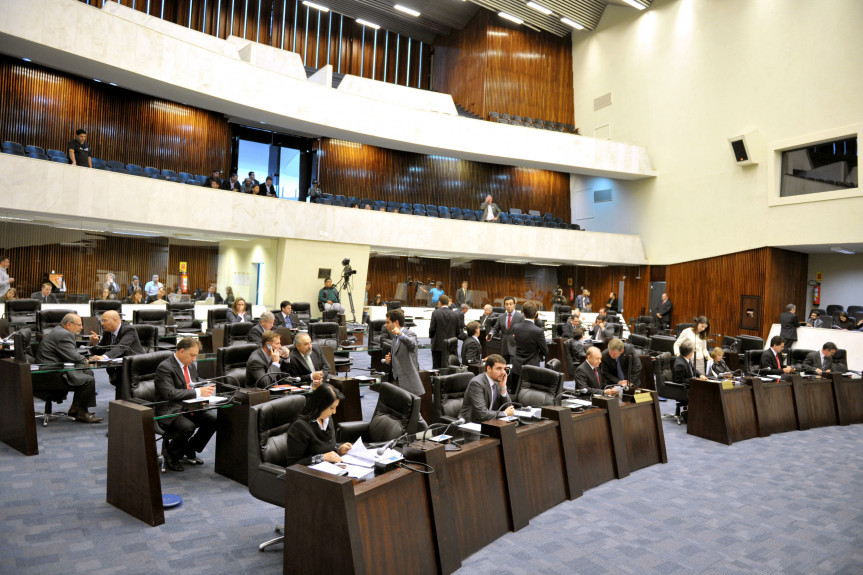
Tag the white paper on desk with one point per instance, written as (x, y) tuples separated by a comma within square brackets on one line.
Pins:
[(217, 399), (361, 455), (471, 427), (581, 402), (328, 467), (770, 378), (529, 412), (357, 471)]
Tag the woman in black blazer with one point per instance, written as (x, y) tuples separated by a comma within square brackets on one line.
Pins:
[(717, 368), (311, 438), (238, 313)]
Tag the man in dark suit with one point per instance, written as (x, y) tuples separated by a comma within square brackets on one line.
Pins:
[(190, 432), (587, 376), (266, 324), (45, 296), (575, 351), (503, 326), (60, 346), (307, 361), (285, 317), (471, 349), (773, 360), (268, 363), (530, 345), (463, 295), (233, 184), (788, 324), (460, 313), (487, 393), (486, 320), (663, 312), (570, 326), (444, 325), (620, 365), (683, 370), (211, 292), (118, 340), (402, 359), (821, 361), (268, 189), (490, 211)]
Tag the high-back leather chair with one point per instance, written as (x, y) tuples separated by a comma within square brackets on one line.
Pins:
[(49, 387), (154, 317), (184, 314), (22, 311), (561, 312), (216, 317), (452, 348), (237, 333), (752, 361), (391, 305), (832, 309), (231, 361), (666, 387), (268, 450), (730, 343), (683, 326), (748, 342), (538, 386), (826, 321), (377, 329), (396, 413), (448, 395), (840, 361), (640, 328), (639, 342), (98, 307), (325, 333), (48, 319), (303, 309), (138, 376), (148, 335), (854, 309), (662, 343), (797, 357), (647, 319)]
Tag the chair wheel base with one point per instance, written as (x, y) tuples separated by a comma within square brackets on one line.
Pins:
[(266, 544)]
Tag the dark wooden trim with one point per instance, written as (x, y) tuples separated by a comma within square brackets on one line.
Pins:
[(17, 415), (426, 401), (504, 431), (800, 402), (351, 408), (563, 417), (612, 406), (232, 438)]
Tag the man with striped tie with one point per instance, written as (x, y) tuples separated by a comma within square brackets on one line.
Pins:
[(190, 432)]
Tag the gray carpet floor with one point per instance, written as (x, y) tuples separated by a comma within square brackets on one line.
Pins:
[(790, 503)]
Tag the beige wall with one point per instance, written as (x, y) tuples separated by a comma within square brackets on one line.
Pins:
[(686, 75), (236, 256), (842, 282), (299, 261)]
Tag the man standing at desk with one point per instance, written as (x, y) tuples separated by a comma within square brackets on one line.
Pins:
[(486, 393), (503, 326), (118, 340), (530, 345), (772, 362), (189, 432), (60, 346), (788, 324)]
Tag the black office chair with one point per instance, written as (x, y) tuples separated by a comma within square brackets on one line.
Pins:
[(377, 331), (148, 335), (231, 361), (748, 342), (268, 451), (752, 361), (798, 356), (646, 319), (303, 309), (396, 414), (452, 349), (391, 305), (666, 387), (325, 333), (23, 311), (639, 342), (683, 326), (216, 317), (48, 319), (538, 386), (832, 309), (237, 333), (840, 361), (448, 395), (640, 328), (155, 317), (573, 355), (329, 315), (854, 310), (138, 375), (731, 344), (661, 344), (826, 322), (561, 312), (98, 307), (184, 315), (48, 387)]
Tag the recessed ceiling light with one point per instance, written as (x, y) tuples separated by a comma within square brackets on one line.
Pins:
[(569, 22), (635, 4), (510, 17), (263, 122), (27, 59), (97, 80), (841, 250), (315, 6), (367, 23), (112, 84), (539, 8), (406, 10)]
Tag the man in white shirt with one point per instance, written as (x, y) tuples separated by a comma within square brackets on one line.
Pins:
[(486, 393), (5, 280), (490, 211), (152, 287)]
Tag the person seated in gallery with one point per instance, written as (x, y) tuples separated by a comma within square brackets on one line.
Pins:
[(136, 297)]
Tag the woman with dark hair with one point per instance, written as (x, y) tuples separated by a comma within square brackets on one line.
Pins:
[(312, 438), (697, 336), (238, 313), (378, 300), (137, 296), (612, 302), (845, 322), (229, 295)]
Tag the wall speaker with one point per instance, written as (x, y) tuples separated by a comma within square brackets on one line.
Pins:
[(746, 148)]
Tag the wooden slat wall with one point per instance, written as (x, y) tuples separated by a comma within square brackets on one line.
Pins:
[(602, 280), (352, 169), (86, 257), (44, 107), (289, 25), (493, 67)]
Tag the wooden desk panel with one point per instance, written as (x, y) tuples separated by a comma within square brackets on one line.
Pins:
[(350, 409), (740, 412), (556, 351), (17, 414), (541, 455), (849, 399), (820, 403), (724, 416), (396, 503), (643, 446), (774, 406), (595, 451), (479, 495), (648, 374)]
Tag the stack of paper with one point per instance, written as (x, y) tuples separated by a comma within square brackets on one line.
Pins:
[(362, 456)]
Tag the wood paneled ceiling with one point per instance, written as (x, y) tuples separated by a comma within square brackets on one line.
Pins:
[(440, 17)]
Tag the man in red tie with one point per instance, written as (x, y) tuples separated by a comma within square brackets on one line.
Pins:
[(772, 358), (588, 378), (503, 327), (189, 432)]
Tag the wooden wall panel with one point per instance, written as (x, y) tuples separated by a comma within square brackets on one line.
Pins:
[(353, 169), (85, 257), (602, 280), (493, 67), (786, 279), (44, 107)]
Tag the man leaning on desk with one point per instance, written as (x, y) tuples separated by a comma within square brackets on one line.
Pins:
[(189, 432), (486, 393), (821, 361)]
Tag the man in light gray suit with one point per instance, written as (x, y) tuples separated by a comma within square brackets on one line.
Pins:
[(403, 357)]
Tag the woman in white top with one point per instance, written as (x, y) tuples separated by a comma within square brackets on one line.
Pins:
[(697, 337)]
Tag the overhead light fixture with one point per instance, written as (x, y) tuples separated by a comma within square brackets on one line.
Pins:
[(572, 23), (315, 6), (97, 80), (841, 250), (27, 59), (539, 8), (111, 84), (510, 17), (635, 4), (367, 23), (407, 10)]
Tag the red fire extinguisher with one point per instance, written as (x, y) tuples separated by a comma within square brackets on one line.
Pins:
[(816, 295)]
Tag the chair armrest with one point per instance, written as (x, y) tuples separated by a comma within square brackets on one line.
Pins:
[(350, 431), (447, 419), (273, 469)]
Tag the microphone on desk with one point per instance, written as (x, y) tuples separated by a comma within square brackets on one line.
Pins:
[(391, 443), (505, 405), (278, 377), (459, 421)]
